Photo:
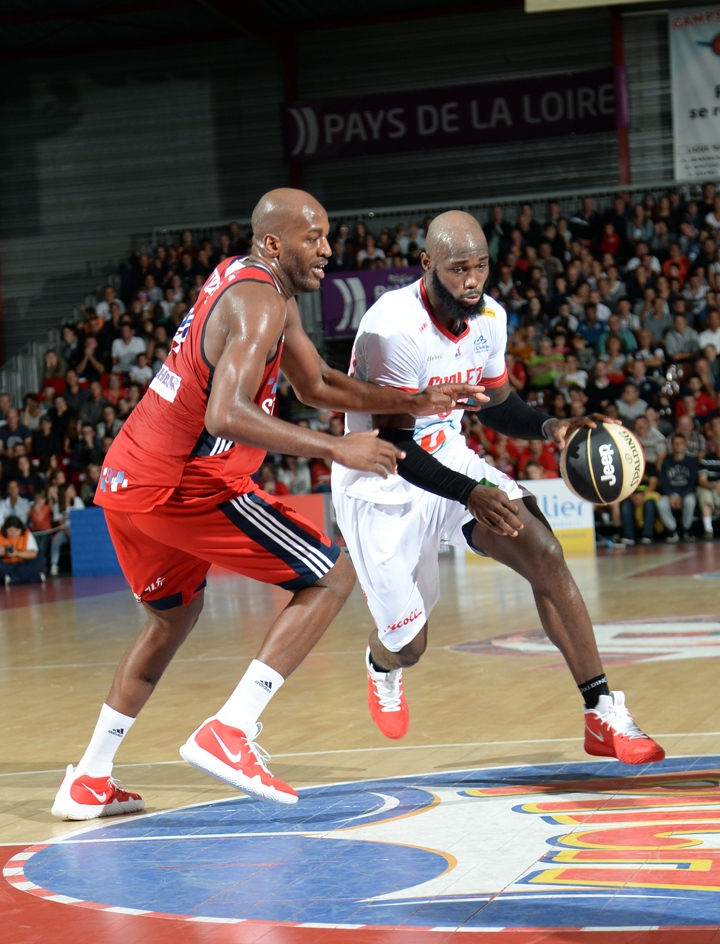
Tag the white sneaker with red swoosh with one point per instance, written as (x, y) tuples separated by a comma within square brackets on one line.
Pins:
[(83, 797), (611, 732), (233, 756)]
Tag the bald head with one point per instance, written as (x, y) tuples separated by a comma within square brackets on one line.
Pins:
[(290, 232), (282, 210), (455, 235), (456, 267)]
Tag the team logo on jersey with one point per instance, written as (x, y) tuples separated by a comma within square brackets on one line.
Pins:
[(182, 331), (481, 345), (112, 479)]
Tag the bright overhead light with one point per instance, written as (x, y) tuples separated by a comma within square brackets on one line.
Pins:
[(547, 6)]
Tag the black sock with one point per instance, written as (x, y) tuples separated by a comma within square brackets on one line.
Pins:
[(374, 665), (593, 689)]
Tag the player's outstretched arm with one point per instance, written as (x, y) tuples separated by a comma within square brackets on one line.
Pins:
[(241, 338), (319, 385)]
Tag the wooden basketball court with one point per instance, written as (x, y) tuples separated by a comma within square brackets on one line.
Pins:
[(489, 695)]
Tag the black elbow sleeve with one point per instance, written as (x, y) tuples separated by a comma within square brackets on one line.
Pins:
[(421, 469), (513, 417)]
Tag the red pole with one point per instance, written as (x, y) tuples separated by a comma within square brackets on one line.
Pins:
[(291, 94), (621, 97)]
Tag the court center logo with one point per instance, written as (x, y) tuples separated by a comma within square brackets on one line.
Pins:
[(621, 643), (558, 846)]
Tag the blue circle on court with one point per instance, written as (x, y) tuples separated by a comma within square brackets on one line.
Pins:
[(579, 845)]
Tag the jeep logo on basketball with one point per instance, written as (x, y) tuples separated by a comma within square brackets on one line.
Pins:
[(408, 619), (606, 457)]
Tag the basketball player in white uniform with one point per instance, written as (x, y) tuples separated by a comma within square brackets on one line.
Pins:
[(443, 329)]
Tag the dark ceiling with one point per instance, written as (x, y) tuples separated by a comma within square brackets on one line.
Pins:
[(39, 28)]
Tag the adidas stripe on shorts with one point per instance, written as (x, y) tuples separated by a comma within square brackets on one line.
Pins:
[(166, 553)]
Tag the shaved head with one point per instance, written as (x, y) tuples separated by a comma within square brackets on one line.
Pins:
[(282, 210), (290, 229), (455, 235), (456, 264)]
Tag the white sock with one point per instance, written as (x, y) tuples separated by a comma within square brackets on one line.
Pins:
[(707, 523), (111, 728), (250, 698)]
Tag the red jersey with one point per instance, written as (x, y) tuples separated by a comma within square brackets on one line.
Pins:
[(164, 445)]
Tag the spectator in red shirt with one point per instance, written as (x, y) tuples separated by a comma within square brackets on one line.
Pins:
[(539, 451), (503, 456), (610, 241), (704, 403), (269, 482), (676, 258), (517, 375), (115, 390), (320, 473)]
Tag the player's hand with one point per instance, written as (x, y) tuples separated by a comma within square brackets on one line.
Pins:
[(559, 430), (491, 507), (367, 453), (442, 398)]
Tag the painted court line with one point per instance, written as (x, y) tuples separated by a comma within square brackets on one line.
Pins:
[(196, 660), (368, 750)]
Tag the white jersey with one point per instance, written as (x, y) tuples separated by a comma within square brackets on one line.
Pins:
[(393, 529), (400, 344)]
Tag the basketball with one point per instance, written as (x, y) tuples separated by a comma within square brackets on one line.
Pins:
[(602, 465)]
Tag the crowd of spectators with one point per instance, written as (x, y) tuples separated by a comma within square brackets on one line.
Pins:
[(615, 312)]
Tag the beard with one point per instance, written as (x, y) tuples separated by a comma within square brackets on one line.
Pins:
[(455, 308), (302, 280)]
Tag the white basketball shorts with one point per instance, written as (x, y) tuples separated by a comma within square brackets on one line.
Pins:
[(393, 531)]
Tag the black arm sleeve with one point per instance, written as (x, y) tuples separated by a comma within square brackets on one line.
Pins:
[(513, 417), (419, 468)]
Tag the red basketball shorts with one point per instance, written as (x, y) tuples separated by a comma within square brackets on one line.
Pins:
[(166, 553)]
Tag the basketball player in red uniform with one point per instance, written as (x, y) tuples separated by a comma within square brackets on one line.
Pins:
[(178, 476)]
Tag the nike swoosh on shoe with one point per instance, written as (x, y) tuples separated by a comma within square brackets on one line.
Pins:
[(233, 758), (598, 736), (100, 797)]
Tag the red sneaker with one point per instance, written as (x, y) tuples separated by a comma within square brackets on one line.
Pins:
[(386, 701), (233, 756), (611, 732), (84, 797)]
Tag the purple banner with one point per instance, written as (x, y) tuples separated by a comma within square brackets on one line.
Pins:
[(549, 106), (346, 296)]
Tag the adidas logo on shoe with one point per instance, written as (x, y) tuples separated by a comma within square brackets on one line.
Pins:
[(266, 685), (118, 732)]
